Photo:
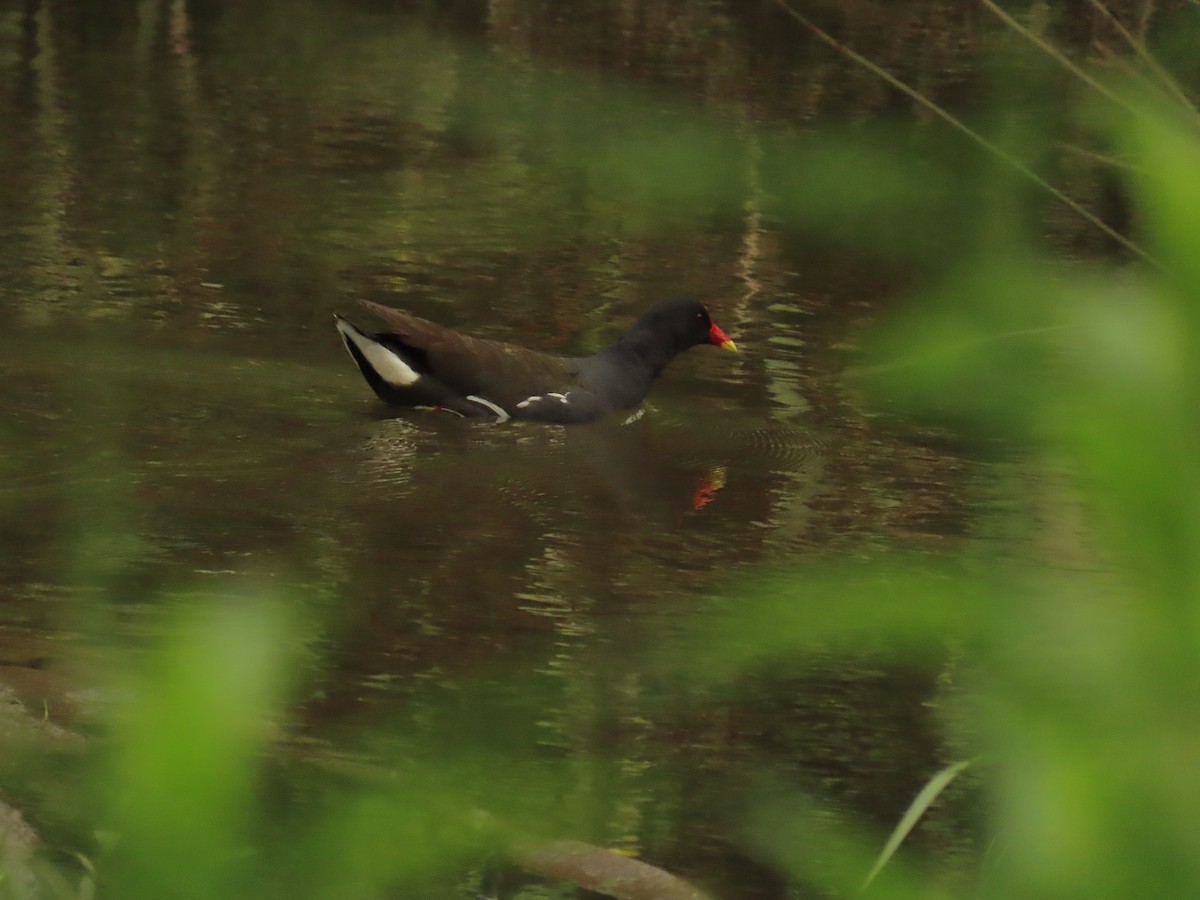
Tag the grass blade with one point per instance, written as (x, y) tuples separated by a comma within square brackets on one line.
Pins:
[(912, 815)]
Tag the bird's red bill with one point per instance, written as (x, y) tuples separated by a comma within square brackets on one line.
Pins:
[(720, 338)]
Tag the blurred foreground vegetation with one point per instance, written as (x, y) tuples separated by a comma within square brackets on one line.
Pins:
[(1072, 667)]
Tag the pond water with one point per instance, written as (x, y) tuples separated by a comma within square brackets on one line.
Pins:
[(190, 191)]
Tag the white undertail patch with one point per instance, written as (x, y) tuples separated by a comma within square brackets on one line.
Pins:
[(390, 366), (501, 415)]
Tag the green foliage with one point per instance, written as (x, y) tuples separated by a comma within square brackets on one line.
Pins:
[(1084, 684), (186, 753)]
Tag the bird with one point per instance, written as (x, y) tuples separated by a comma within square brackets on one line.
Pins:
[(419, 363)]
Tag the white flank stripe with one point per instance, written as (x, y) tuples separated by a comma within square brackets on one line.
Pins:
[(389, 365), (501, 415), (561, 398)]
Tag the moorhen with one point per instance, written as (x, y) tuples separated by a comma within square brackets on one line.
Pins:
[(419, 363)]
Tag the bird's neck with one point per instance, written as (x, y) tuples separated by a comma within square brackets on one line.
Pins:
[(645, 349)]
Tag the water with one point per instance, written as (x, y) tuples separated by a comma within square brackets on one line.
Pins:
[(190, 192)]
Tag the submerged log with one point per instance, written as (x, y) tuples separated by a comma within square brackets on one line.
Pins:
[(605, 872), (17, 844)]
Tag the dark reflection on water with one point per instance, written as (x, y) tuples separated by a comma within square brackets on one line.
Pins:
[(188, 197)]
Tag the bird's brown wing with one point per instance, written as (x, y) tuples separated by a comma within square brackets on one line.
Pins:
[(504, 374)]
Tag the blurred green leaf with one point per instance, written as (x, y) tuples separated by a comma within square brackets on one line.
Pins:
[(187, 751), (979, 352), (1164, 149), (901, 609), (823, 852)]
